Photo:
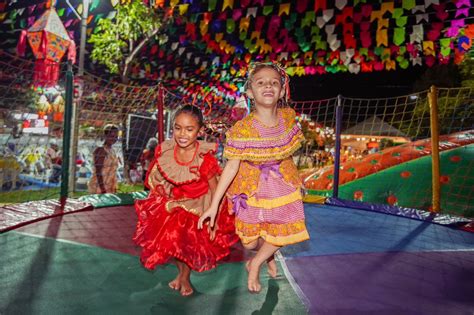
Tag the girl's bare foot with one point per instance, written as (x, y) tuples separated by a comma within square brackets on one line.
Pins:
[(272, 267), (186, 287), (185, 280), (253, 281), (175, 284)]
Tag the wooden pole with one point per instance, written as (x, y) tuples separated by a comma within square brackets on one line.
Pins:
[(435, 165)]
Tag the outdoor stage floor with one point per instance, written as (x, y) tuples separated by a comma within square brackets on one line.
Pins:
[(357, 262)]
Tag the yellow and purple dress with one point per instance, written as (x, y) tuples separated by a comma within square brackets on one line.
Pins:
[(266, 192)]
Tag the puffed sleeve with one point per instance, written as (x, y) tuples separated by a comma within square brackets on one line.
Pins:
[(210, 166), (236, 141)]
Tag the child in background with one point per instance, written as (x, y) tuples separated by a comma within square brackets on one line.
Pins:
[(265, 188), (104, 177), (147, 157), (182, 178)]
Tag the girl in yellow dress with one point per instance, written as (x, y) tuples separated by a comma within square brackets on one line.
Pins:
[(260, 178)]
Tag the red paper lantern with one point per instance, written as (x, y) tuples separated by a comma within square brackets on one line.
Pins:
[(49, 41)]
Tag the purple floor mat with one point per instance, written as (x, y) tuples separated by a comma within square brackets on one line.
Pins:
[(387, 283)]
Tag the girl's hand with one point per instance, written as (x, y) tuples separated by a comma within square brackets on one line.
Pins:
[(210, 213), (212, 232)]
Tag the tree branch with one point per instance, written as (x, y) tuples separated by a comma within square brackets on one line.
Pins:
[(133, 53), (130, 44)]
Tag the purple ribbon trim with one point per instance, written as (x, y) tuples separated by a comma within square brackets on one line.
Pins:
[(267, 167), (240, 203)]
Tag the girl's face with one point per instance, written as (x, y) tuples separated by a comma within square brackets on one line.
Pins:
[(186, 129), (265, 88)]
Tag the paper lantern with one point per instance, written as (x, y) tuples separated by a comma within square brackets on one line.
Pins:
[(49, 41)]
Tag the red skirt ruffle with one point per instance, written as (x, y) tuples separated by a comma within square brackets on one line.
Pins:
[(164, 235)]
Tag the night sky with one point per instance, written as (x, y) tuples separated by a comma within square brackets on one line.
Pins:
[(361, 85)]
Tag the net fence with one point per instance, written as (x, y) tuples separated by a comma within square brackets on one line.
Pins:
[(386, 149), (385, 142), (32, 129)]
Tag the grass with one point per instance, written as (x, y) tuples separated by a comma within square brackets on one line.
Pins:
[(19, 196)]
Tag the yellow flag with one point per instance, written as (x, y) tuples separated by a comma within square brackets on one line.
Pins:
[(203, 27), (382, 38), (255, 34), (390, 65), (428, 48), (244, 24), (284, 8), (183, 8), (376, 15), (382, 23), (387, 6), (228, 4)]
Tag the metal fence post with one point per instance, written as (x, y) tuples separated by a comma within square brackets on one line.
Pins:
[(337, 157), (67, 134)]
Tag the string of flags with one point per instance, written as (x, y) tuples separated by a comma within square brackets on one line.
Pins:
[(211, 43)]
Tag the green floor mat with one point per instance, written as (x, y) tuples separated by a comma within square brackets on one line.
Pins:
[(112, 200), (45, 276)]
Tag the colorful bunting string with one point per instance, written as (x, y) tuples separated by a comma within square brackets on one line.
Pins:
[(212, 43)]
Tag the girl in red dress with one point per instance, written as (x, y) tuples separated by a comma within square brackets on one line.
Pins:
[(182, 178)]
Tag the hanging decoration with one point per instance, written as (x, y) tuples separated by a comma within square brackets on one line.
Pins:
[(212, 43), (49, 42)]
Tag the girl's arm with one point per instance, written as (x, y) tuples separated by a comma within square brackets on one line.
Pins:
[(228, 175), (212, 187)]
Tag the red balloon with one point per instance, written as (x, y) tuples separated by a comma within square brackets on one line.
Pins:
[(358, 195), (444, 179), (392, 200), (405, 174), (455, 158)]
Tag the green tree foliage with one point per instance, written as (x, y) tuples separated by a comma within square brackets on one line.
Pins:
[(466, 69), (439, 75), (117, 41)]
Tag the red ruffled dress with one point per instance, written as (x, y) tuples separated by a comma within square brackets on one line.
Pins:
[(168, 217)]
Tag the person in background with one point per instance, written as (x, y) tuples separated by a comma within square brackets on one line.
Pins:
[(147, 157), (104, 176), (53, 161)]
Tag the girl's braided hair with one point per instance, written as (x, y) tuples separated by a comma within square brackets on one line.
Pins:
[(191, 110)]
